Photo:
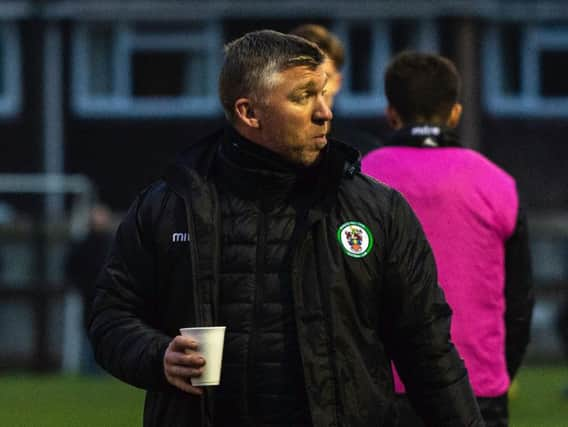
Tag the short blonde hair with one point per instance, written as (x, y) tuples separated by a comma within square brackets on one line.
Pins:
[(253, 61)]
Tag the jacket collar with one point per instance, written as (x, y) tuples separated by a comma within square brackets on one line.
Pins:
[(424, 135), (256, 173), (197, 164)]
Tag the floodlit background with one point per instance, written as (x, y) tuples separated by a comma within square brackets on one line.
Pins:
[(97, 96)]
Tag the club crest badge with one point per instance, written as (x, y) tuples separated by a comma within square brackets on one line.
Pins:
[(355, 239)]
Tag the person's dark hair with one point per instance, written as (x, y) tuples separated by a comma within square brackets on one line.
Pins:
[(253, 61), (325, 40), (422, 86)]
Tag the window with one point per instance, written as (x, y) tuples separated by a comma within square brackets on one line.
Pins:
[(554, 69), (369, 47), (525, 67), (146, 70), (511, 43), (10, 70)]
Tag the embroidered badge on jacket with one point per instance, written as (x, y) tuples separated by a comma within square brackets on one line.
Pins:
[(355, 239)]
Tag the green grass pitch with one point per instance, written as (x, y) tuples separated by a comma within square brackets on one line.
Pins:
[(59, 401)]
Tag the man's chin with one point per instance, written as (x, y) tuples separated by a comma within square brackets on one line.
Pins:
[(310, 159), (306, 158)]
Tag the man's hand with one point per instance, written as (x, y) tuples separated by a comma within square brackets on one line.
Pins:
[(181, 362)]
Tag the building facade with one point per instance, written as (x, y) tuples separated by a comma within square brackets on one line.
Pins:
[(111, 90)]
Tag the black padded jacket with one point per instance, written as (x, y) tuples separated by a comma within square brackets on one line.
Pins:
[(355, 311)]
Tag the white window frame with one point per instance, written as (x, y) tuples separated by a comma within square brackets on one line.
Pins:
[(11, 99), (373, 103), (529, 101), (121, 103)]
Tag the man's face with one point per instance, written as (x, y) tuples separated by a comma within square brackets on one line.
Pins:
[(294, 116)]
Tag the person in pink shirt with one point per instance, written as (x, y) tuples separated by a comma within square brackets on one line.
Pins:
[(469, 209)]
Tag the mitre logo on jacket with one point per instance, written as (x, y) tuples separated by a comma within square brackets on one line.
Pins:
[(180, 237)]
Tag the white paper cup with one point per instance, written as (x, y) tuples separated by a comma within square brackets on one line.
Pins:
[(210, 340)]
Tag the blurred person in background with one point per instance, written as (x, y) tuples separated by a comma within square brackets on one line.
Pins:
[(470, 212), (317, 271), (84, 261), (333, 48)]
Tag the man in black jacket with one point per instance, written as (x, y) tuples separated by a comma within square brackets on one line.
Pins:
[(320, 274)]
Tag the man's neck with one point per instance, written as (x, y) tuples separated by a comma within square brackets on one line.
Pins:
[(250, 154)]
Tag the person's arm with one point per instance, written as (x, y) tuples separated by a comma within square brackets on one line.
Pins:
[(417, 327), (519, 295), (124, 342)]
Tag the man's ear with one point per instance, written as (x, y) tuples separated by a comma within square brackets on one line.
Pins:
[(393, 118), (245, 113), (455, 115)]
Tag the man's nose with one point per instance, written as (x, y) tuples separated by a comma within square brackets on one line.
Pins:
[(322, 111)]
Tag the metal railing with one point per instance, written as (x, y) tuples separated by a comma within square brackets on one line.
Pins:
[(43, 293)]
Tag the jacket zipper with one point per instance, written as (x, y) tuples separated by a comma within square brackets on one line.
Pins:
[(206, 401), (216, 256), (196, 293), (193, 261), (257, 313), (208, 411)]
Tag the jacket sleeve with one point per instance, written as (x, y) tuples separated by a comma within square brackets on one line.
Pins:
[(519, 295), (417, 327), (124, 342)]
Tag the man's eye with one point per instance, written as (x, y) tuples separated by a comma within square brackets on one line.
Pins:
[(303, 97)]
